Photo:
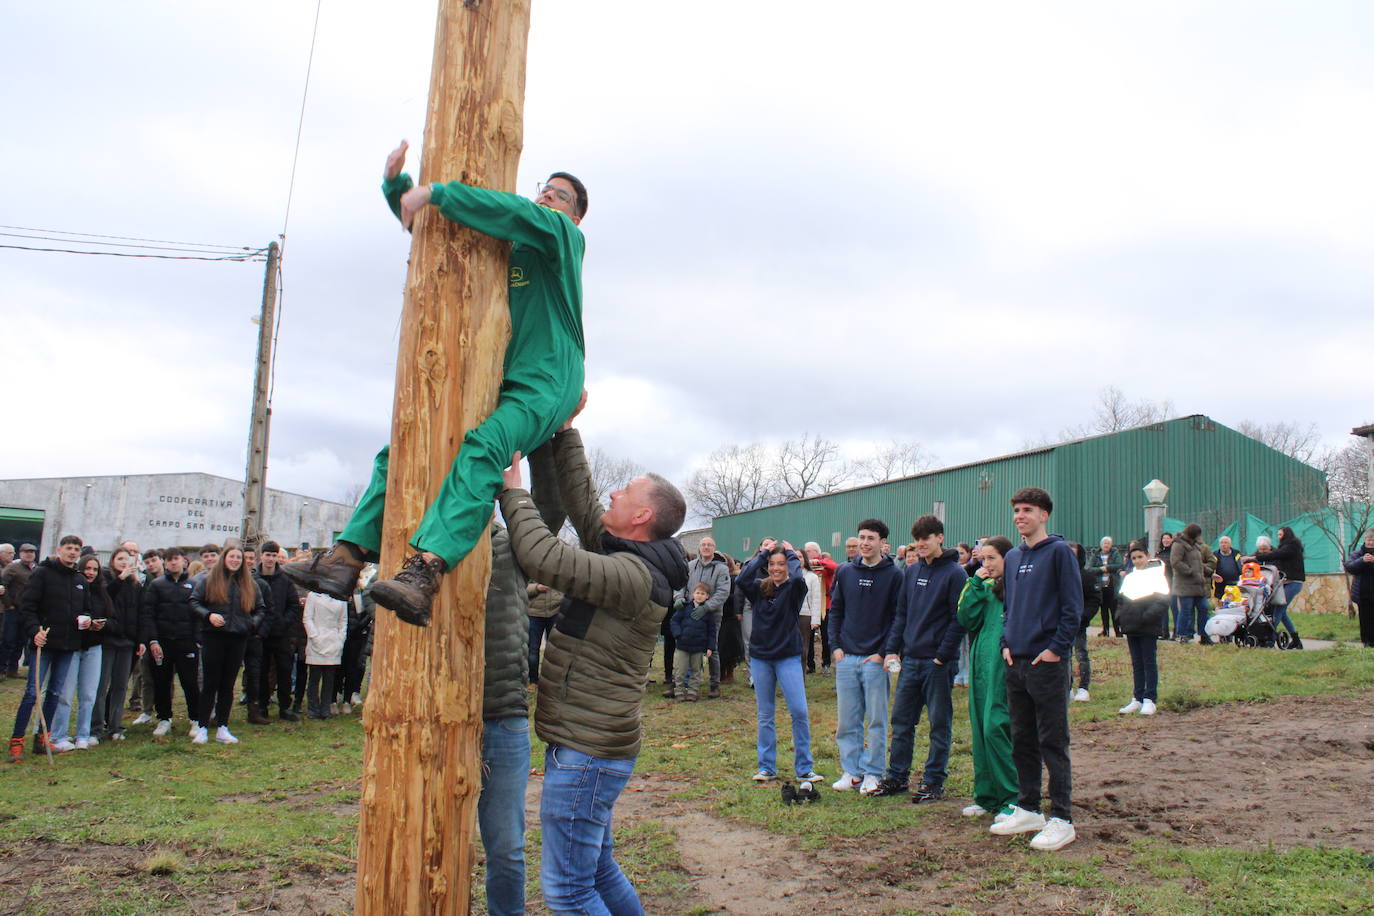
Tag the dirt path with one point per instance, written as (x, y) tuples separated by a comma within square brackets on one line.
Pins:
[(1289, 771)]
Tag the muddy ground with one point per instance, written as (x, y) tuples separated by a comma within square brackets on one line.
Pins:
[(1295, 771)]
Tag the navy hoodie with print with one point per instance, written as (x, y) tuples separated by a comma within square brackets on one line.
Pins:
[(775, 635), (1043, 595), (862, 603), (925, 625)]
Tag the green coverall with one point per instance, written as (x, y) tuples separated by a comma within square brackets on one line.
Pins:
[(994, 776), (543, 375)]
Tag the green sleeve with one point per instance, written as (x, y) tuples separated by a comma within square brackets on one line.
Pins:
[(973, 604), (505, 216), (393, 188)]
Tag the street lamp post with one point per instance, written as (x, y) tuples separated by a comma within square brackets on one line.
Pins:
[(1155, 509)]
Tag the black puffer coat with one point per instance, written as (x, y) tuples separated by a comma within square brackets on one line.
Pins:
[(54, 597)]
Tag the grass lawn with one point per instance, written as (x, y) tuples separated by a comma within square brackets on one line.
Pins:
[(281, 806)]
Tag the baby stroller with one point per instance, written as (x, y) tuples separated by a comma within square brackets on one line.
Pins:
[(1246, 613)]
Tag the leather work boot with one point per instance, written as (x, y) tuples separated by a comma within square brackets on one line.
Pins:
[(411, 592), (334, 573), (256, 716)]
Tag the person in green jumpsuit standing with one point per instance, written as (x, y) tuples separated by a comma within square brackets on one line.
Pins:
[(541, 385), (980, 612)]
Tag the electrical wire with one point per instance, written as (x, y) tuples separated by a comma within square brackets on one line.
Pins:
[(286, 216), (69, 241), (126, 238), (255, 255)]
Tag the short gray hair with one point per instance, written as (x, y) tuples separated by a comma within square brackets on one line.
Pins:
[(1263, 541), (668, 505)]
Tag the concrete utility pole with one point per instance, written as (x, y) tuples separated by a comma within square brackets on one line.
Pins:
[(260, 424), (422, 722)]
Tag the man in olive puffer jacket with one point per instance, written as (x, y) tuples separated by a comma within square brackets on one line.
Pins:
[(616, 588)]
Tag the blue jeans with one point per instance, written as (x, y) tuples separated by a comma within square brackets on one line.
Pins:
[(1144, 667), (579, 872), (769, 674), (861, 690), (501, 811), (922, 683), (1290, 591), (53, 667), (87, 670), (1190, 616)]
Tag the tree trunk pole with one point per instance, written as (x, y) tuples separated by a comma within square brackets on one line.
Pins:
[(423, 718)]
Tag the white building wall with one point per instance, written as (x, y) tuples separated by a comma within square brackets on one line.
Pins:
[(165, 510)]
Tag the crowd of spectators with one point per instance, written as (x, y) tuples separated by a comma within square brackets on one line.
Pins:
[(102, 639)]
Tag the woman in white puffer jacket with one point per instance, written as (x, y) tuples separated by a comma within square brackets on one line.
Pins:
[(326, 625)]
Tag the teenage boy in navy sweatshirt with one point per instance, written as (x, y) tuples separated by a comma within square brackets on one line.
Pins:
[(1043, 595), (863, 601), (926, 634)]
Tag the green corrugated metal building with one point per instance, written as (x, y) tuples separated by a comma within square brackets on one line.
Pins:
[(1214, 473)]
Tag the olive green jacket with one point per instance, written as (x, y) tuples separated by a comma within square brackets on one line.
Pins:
[(616, 592)]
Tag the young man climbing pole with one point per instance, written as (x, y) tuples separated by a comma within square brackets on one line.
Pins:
[(541, 385)]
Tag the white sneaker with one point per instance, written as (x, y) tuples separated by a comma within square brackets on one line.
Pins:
[(356, 699), (116, 736), (199, 736), (1019, 821), (82, 744), (1147, 708), (143, 719), (1081, 695), (1057, 834), (870, 785), (846, 782), (92, 741), (974, 811), (764, 776), (1005, 813), (346, 709), (1133, 706), (163, 728), (195, 727), (63, 746), (333, 709), (223, 737)]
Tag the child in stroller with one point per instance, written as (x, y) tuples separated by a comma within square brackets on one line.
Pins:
[(1246, 612)]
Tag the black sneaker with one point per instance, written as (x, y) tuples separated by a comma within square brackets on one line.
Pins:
[(289, 715), (925, 792), (411, 593), (890, 786)]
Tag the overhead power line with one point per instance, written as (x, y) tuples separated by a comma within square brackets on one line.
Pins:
[(125, 238), (253, 255)]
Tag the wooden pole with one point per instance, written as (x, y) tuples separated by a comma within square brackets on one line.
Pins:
[(259, 425), (423, 718)]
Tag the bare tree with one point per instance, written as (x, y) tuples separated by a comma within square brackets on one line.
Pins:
[(734, 479), (893, 460), (809, 466), (353, 493), (610, 473), (1286, 437), (1347, 473), (1113, 413)]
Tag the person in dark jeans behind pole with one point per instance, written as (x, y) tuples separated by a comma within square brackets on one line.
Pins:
[(1043, 594), (283, 616)]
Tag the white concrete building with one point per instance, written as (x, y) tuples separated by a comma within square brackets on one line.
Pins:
[(156, 510)]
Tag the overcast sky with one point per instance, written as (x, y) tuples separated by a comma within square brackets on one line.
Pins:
[(946, 222)]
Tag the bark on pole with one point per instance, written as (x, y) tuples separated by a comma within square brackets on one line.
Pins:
[(423, 718)]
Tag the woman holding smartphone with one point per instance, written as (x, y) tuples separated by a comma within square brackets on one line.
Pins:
[(85, 670), (229, 604), (773, 581)]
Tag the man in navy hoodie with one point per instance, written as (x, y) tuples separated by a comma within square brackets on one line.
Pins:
[(862, 604), (925, 633), (1043, 595)]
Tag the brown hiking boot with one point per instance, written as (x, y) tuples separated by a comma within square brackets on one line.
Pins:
[(257, 716), (411, 593), (333, 573)]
